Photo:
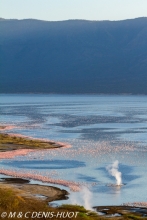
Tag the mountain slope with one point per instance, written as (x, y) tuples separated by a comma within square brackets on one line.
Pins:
[(74, 56)]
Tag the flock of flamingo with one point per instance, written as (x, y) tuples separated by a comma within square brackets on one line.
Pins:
[(66, 151)]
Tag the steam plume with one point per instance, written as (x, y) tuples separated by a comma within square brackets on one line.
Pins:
[(83, 197), (113, 170), (87, 196)]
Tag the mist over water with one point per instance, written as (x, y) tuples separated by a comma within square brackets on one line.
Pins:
[(101, 130)]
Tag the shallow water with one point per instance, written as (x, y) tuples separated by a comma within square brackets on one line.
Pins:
[(100, 129)]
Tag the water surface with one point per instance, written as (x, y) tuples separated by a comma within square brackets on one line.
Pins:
[(100, 129)]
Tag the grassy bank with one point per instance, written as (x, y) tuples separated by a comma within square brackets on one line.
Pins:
[(9, 142), (12, 202)]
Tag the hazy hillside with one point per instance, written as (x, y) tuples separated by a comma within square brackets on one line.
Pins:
[(74, 56)]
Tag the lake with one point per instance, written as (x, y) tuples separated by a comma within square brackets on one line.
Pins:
[(101, 129)]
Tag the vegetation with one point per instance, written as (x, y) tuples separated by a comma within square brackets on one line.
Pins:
[(10, 201), (8, 142)]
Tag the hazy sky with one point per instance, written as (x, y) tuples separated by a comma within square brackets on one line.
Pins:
[(54, 10)]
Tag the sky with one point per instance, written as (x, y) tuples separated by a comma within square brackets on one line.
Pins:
[(55, 10)]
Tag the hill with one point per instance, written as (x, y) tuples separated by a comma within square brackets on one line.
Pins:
[(74, 56)]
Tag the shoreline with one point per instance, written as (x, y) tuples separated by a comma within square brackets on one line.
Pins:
[(7, 127), (73, 186), (12, 145), (46, 194), (8, 150), (42, 192), (122, 211)]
